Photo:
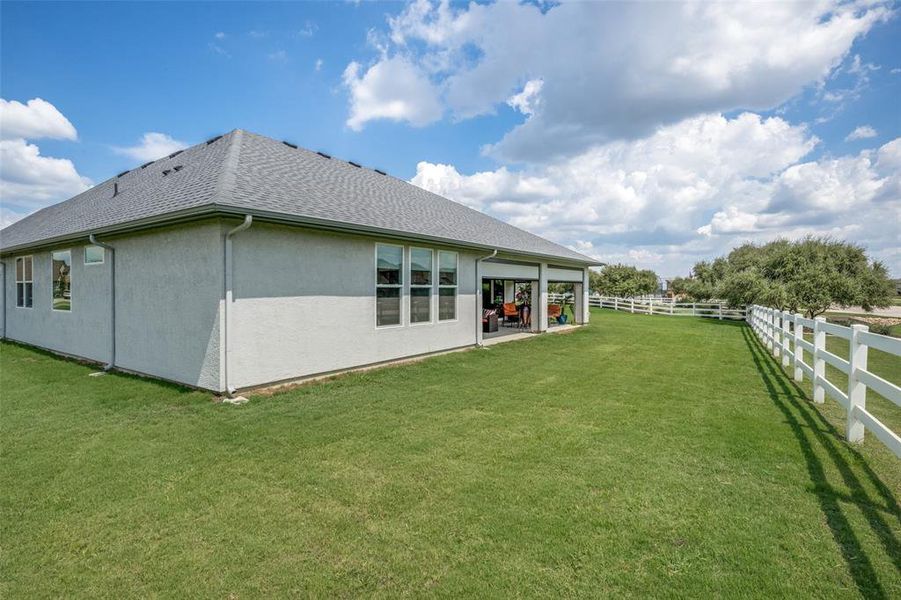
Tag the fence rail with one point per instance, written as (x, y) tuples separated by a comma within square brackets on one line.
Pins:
[(713, 310), (783, 334)]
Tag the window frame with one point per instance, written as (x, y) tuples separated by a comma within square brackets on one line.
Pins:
[(52, 308), (430, 287), (454, 287), (24, 281), (84, 255), (399, 286)]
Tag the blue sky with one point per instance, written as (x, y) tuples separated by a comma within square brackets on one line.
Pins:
[(594, 125)]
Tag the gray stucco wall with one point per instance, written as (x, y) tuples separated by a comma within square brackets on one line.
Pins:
[(168, 289), (83, 331), (305, 304)]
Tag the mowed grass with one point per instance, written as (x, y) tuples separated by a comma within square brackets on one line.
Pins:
[(642, 456)]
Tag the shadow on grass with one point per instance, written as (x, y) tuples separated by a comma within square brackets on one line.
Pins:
[(802, 417)]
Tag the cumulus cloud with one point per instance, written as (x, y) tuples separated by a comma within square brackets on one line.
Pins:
[(610, 71), (33, 120), (29, 180), (861, 133), (394, 89), (689, 191), (153, 145)]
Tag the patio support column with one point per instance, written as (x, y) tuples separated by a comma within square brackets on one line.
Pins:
[(581, 294), (509, 290), (539, 300)]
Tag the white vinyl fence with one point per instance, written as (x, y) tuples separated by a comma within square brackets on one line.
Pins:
[(783, 334), (665, 306)]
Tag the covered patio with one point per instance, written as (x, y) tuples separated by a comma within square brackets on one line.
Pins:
[(516, 293)]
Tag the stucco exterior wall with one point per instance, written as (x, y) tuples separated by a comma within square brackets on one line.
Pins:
[(304, 304), (168, 289), (83, 331)]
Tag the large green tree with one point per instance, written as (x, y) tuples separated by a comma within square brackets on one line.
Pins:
[(807, 275), (623, 281)]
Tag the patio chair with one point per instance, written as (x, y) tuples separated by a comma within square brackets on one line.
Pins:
[(554, 311), (511, 313), (489, 320)]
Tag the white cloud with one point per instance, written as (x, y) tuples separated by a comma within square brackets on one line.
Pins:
[(861, 133), (613, 71), (152, 146), (394, 89), (277, 56), (318, 65), (689, 191), (220, 35), (29, 181), (35, 119), (308, 30), (528, 99)]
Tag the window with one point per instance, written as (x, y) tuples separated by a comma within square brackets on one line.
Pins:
[(447, 285), (61, 266), (93, 255), (389, 266), (24, 282), (420, 285)]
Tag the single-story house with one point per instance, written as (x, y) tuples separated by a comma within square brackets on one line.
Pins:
[(245, 261)]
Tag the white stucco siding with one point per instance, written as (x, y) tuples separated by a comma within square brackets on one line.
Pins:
[(168, 288), (305, 304), (84, 330)]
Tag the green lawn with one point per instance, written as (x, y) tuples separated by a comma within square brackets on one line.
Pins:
[(641, 456)]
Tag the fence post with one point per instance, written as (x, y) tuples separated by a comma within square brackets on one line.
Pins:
[(799, 351), (671, 305), (786, 340), (632, 305), (615, 303), (777, 332), (857, 391), (769, 329), (819, 365), (720, 306)]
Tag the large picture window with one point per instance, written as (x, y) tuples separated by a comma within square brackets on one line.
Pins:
[(420, 285), (24, 282), (61, 264), (447, 285), (389, 268)]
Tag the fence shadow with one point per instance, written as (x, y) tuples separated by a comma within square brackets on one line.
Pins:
[(813, 432)]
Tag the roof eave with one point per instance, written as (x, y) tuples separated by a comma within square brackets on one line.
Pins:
[(218, 209)]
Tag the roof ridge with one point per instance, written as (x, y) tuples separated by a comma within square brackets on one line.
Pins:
[(225, 186)]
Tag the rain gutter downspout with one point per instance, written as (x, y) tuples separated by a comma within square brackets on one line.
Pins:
[(478, 290), (112, 299), (248, 221)]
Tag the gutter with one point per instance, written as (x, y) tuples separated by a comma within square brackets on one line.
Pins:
[(227, 264), (224, 210), (478, 291), (3, 278), (112, 299)]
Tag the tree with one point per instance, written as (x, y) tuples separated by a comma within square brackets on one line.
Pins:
[(624, 281), (808, 275)]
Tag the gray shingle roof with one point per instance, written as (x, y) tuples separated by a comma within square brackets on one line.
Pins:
[(244, 172)]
